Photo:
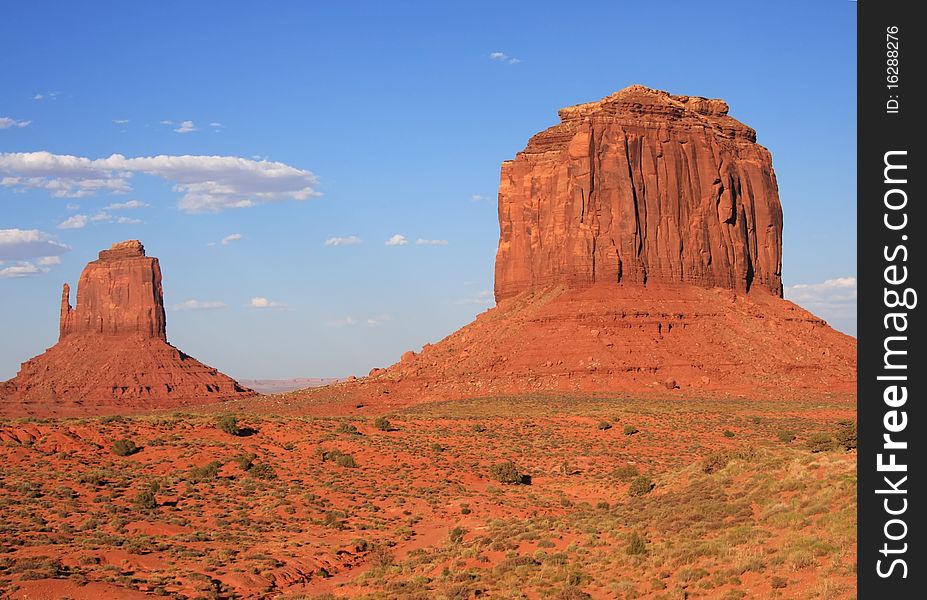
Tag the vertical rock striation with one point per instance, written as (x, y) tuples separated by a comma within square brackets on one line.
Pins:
[(119, 294), (640, 187)]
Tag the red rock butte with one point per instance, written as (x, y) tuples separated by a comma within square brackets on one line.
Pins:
[(640, 187), (640, 249), (112, 353)]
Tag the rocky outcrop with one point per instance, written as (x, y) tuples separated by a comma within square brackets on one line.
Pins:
[(112, 353), (640, 187), (119, 294)]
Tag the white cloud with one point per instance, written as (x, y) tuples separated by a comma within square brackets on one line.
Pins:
[(50, 260), (126, 205), (120, 121), (194, 304), (479, 198), (208, 183), (504, 58), (231, 238), (834, 299), (75, 222), (50, 95), (166, 122), (261, 302), (80, 221), (216, 125), (421, 242), (350, 321), (397, 240), (18, 244), (842, 289), (24, 269), (378, 320), (186, 127), (7, 122), (351, 240), (482, 298), (344, 322), (71, 206), (39, 97)]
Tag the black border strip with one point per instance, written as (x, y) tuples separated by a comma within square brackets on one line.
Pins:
[(890, 270)]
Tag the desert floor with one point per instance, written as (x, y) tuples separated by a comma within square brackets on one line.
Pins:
[(611, 497)]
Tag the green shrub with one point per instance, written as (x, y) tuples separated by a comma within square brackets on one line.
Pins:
[(262, 471), (93, 478), (124, 448), (437, 447), (205, 473), (637, 545), (381, 558), (228, 424), (572, 592), (146, 499), (821, 442), (383, 424), (630, 429), (845, 434), (786, 435), (728, 433), (507, 472), (339, 458), (604, 425), (333, 519), (640, 486), (456, 535), (715, 462), (779, 582), (718, 460), (346, 460), (626, 472), (348, 428), (479, 428), (245, 460)]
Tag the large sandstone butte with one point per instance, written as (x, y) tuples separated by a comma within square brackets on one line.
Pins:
[(112, 353), (640, 249), (640, 187)]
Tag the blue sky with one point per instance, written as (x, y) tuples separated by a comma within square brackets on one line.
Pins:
[(357, 122)]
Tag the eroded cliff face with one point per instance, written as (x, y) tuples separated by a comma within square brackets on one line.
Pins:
[(640, 187), (118, 294), (112, 353)]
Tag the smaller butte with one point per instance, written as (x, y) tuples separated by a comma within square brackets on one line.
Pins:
[(112, 353)]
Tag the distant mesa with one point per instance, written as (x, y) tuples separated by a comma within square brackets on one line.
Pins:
[(112, 353), (640, 243), (278, 386)]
